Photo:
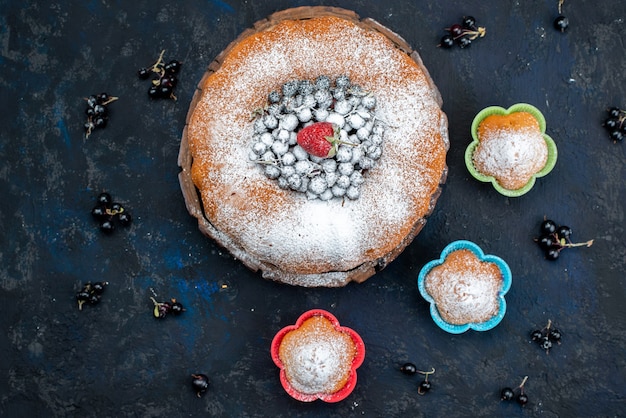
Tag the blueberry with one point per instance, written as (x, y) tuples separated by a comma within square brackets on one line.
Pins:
[(447, 41), (506, 394), (104, 199), (408, 368), (561, 23)]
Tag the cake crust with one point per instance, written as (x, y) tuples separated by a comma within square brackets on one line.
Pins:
[(287, 237)]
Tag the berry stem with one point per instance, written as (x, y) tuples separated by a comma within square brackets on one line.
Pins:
[(521, 385), (473, 34), (155, 66), (110, 100), (560, 6), (426, 373), (578, 244)]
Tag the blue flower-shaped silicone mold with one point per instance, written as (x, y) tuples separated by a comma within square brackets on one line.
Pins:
[(476, 326)]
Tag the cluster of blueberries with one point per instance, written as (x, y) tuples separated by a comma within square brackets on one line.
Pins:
[(164, 78), (546, 337), (107, 212), (90, 293), (462, 34), (97, 111), (301, 103), (615, 123)]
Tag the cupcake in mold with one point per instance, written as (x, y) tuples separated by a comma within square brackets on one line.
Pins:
[(465, 288), (318, 357), (510, 148)]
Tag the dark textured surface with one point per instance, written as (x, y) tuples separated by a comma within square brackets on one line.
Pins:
[(115, 359)]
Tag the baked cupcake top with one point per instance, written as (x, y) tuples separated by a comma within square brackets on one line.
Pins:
[(511, 149), (318, 358)]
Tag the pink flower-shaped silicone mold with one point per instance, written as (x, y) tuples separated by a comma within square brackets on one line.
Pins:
[(356, 361)]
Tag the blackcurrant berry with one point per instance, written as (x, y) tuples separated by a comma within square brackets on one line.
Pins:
[(552, 254), (124, 218), (177, 308), (94, 299), (536, 335), (423, 387), (554, 335), (564, 232), (153, 92), (164, 309), (98, 287), (100, 122), (90, 112), (548, 227), (169, 80), (447, 41), (143, 73), (104, 199), (107, 226), (614, 112), (456, 30), (92, 101), (546, 344), (408, 368), (83, 295), (165, 91), (200, 383), (117, 208), (617, 136), (99, 212), (561, 23), (172, 67), (506, 394), (103, 98), (546, 242), (469, 23), (522, 399), (99, 110), (464, 42), (611, 123)]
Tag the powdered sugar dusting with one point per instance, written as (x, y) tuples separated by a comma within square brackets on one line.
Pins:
[(278, 226), (512, 156), (317, 358), (464, 288)]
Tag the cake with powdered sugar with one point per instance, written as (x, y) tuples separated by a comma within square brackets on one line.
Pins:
[(464, 288), (315, 147), (512, 149)]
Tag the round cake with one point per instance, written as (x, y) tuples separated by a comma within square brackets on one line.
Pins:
[(313, 234)]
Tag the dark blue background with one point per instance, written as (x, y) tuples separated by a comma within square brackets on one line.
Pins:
[(115, 359)]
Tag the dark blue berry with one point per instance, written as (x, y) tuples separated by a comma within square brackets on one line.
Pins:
[(506, 394), (104, 199), (124, 218), (561, 23), (447, 41), (172, 67), (464, 42), (469, 23), (408, 368), (548, 227)]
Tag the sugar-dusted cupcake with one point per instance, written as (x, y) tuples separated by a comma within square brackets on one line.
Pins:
[(510, 148), (465, 288), (317, 357)]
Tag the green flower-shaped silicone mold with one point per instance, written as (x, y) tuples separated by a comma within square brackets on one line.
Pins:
[(497, 110)]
